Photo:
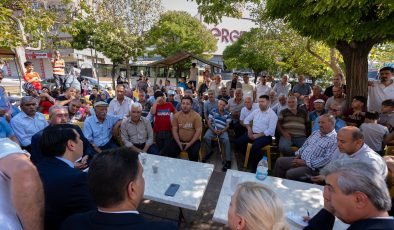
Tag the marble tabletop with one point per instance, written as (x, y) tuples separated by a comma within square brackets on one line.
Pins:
[(193, 178), (297, 197)]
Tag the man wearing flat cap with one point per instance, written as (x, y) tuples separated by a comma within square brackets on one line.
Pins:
[(99, 127), (318, 109)]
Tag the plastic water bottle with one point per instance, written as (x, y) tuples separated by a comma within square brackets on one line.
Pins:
[(262, 169)]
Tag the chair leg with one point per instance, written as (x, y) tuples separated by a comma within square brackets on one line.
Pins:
[(184, 155), (200, 155), (249, 147), (269, 159)]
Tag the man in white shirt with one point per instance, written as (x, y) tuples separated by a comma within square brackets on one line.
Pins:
[(193, 74), (263, 88), (264, 125), (21, 191), (217, 84), (248, 88), (120, 105), (247, 109), (380, 91)]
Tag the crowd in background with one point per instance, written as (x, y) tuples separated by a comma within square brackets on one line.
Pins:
[(167, 119)]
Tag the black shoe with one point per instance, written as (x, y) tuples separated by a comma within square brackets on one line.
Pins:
[(226, 166), (206, 158)]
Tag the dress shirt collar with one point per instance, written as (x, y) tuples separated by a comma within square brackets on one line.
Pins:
[(333, 132), (131, 121), (120, 212), (124, 100), (362, 149), (25, 115), (96, 119), (266, 111), (69, 163)]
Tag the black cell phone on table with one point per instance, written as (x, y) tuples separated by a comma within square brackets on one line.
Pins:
[(172, 189)]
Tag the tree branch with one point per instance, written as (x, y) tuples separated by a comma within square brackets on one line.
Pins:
[(309, 49)]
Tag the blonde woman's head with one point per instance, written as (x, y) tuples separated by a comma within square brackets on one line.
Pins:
[(254, 206)]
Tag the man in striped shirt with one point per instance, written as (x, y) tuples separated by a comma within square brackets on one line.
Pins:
[(293, 125), (218, 122), (58, 70), (316, 152)]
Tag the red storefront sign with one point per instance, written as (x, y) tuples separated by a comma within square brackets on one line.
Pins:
[(35, 55)]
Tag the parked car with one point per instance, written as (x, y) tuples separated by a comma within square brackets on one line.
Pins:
[(93, 82), (50, 83)]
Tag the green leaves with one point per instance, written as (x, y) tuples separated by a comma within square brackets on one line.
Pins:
[(36, 20), (276, 50), (179, 31), (333, 20), (114, 28)]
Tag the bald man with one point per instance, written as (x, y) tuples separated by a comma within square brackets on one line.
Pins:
[(350, 142)]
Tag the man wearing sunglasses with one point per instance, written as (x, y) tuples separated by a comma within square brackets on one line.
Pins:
[(335, 109)]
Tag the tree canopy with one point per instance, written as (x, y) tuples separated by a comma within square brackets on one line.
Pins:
[(179, 31), (277, 52), (35, 23)]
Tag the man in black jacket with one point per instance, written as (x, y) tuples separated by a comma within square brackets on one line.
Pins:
[(117, 186), (356, 194), (58, 115), (65, 188)]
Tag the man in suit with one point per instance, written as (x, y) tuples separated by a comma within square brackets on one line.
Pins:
[(355, 193), (59, 115), (117, 186), (65, 188)]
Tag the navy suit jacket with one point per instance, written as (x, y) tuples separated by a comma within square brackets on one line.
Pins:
[(66, 191), (107, 221), (36, 154), (325, 220)]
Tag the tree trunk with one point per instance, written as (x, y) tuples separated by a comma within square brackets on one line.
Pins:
[(355, 56), (128, 74), (113, 74)]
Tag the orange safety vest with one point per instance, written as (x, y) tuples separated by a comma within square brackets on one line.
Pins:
[(58, 67)]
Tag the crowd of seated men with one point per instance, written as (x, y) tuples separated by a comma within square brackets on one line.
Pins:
[(76, 129)]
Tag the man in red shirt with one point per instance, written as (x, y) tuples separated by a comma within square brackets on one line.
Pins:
[(162, 110)]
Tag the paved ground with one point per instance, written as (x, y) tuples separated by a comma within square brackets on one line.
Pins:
[(202, 219)]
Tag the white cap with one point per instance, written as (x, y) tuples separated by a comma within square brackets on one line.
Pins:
[(8, 147)]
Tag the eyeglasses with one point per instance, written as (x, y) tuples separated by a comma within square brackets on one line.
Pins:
[(30, 104), (335, 110)]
